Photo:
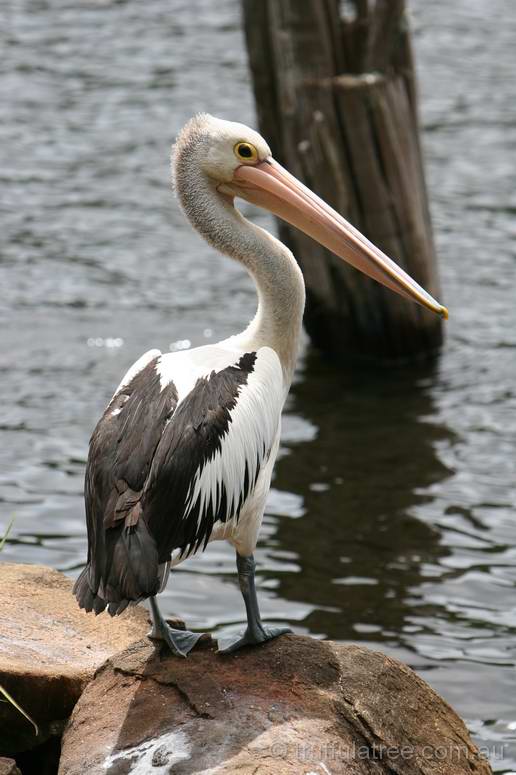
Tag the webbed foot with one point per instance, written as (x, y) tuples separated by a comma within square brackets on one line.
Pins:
[(180, 642), (253, 637)]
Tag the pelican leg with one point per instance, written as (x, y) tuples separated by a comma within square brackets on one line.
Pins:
[(180, 642), (255, 632)]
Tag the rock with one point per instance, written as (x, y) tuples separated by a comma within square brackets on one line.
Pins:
[(8, 767), (50, 649), (294, 705)]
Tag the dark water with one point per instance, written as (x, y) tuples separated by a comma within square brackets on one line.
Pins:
[(391, 520)]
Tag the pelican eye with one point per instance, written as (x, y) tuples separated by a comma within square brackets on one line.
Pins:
[(245, 152)]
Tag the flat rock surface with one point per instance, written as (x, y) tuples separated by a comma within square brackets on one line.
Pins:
[(50, 649), (292, 706), (8, 767)]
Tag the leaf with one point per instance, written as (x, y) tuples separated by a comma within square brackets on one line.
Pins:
[(3, 691), (6, 534), (18, 707)]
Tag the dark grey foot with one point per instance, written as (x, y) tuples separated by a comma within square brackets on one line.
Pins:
[(256, 632), (251, 638), (180, 642)]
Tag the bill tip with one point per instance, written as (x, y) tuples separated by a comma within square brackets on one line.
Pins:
[(444, 313)]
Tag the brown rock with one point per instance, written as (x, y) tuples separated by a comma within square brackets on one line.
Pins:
[(292, 706), (50, 649), (8, 767)]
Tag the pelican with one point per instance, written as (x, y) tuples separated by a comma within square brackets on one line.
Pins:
[(184, 452)]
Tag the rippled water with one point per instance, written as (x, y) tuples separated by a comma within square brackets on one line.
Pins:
[(391, 520)]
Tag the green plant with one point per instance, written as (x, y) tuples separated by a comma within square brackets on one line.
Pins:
[(6, 534), (5, 696), (13, 702)]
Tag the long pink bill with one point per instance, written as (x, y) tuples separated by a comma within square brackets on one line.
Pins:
[(268, 185)]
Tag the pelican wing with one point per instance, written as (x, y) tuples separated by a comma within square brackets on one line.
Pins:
[(211, 453), (178, 449), (122, 447)]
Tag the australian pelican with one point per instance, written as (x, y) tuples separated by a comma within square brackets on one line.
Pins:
[(184, 452)]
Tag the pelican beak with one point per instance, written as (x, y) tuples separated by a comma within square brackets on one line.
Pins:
[(268, 185)]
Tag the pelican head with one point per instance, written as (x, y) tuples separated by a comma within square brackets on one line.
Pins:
[(238, 163)]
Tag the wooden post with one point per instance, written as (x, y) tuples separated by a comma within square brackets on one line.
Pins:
[(336, 99)]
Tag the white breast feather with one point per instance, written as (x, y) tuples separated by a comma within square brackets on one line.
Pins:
[(185, 368)]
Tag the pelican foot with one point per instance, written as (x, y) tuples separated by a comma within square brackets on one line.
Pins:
[(253, 637), (180, 642)]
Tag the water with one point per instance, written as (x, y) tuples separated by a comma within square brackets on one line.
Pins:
[(391, 519)]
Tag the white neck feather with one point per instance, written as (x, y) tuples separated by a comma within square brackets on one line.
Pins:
[(279, 281)]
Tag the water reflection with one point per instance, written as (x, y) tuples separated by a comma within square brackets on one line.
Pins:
[(358, 545)]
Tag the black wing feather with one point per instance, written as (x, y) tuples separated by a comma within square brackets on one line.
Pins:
[(144, 454), (190, 441)]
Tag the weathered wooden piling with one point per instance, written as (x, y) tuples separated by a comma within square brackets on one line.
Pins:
[(336, 98)]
